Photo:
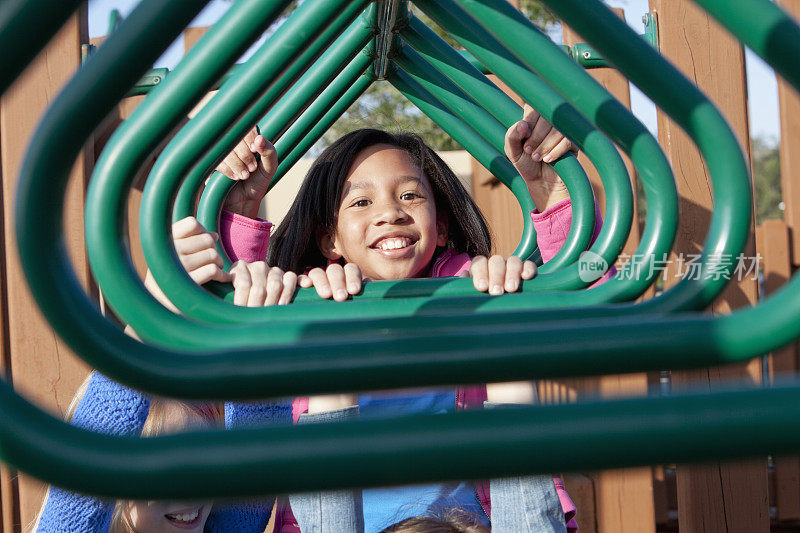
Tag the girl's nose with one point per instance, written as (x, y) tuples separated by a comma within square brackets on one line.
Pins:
[(391, 213)]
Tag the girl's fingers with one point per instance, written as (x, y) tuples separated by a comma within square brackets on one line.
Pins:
[(529, 270), (199, 259), (304, 281), (206, 273), (352, 276), (269, 156), (513, 273), (186, 227), (289, 286), (245, 155), (195, 243), (225, 169), (549, 143), (497, 274), (250, 137), (479, 270), (337, 280), (274, 286), (320, 281), (258, 284), (564, 146), (533, 144), (240, 277), (238, 168), (515, 135)]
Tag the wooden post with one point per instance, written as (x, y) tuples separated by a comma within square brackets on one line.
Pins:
[(623, 497), (719, 496), (783, 363), (41, 366), (790, 149)]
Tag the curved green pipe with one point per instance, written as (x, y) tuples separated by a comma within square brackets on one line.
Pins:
[(24, 32), (352, 49), (680, 428), (184, 202), (165, 177), (252, 462), (536, 52), (216, 190), (663, 83), (532, 349), (613, 173), (580, 191)]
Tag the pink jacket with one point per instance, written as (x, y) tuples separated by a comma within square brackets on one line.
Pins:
[(247, 239)]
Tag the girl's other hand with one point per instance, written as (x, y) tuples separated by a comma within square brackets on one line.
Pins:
[(497, 275), (198, 255), (256, 285), (531, 142), (335, 281), (253, 173)]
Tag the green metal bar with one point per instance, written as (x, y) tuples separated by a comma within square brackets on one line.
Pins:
[(532, 350), (302, 141), (216, 190), (114, 20), (203, 465), (24, 32), (127, 291), (430, 79), (307, 89), (730, 221), (620, 433), (487, 156), (660, 189), (184, 202), (166, 175), (619, 203), (146, 83), (764, 27)]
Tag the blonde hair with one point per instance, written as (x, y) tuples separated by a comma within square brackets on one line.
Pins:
[(157, 423)]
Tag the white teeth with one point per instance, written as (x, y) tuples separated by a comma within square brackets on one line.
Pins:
[(184, 517), (393, 244)]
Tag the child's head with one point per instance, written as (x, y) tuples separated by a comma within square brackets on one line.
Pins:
[(167, 416), (451, 521), (382, 201)]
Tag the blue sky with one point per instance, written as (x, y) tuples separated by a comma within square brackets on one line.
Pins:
[(761, 83)]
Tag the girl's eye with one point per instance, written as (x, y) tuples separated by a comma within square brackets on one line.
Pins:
[(410, 196), (360, 203)]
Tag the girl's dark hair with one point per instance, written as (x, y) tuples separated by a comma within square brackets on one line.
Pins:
[(294, 246), (451, 521)]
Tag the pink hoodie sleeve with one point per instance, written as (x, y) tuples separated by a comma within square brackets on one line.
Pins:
[(244, 239), (552, 227)]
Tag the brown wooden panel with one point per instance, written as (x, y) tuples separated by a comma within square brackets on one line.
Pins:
[(581, 491), (775, 248), (729, 496), (790, 148), (42, 367)]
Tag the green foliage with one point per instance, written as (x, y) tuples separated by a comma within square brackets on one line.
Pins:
[(383, 107), (766, 178)]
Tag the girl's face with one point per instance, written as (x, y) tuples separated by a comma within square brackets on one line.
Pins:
[(387, 223), (172, 517)]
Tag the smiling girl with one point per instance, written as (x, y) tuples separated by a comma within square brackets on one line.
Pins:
[(378, 206)]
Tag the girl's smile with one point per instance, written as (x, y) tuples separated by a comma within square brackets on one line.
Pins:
[(387, 223)]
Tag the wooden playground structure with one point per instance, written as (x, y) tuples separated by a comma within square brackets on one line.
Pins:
[(750, 496)]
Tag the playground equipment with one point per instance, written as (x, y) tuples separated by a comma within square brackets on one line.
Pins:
[(219, 351)]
